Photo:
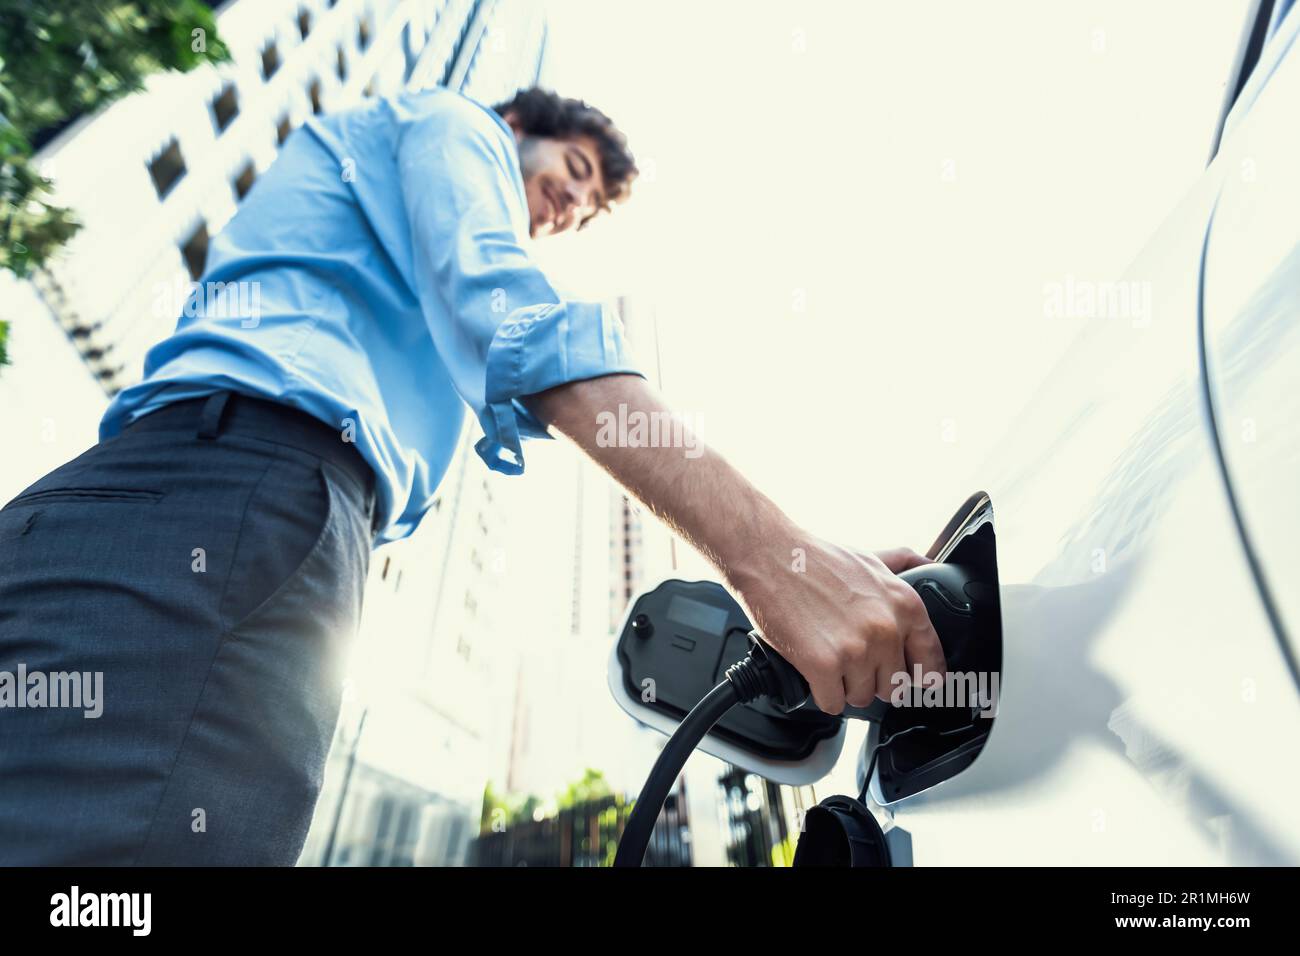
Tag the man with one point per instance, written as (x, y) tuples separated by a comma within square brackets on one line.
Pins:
[(207, 557)]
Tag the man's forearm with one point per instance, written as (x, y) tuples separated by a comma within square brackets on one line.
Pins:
[(691, 488), (842, 618)]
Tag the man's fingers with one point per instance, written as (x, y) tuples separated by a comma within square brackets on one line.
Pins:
[(890, 675), (900, 559), (825, 683), (922, 647), (828, 695), (860, 687)]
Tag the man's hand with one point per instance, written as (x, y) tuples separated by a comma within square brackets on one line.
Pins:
[(842, 618), (845, 621)]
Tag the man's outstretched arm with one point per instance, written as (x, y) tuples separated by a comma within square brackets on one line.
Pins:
[(845, 622)]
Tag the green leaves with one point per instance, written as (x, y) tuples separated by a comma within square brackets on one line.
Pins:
[(61, 61), (33, 227), (58, 61)]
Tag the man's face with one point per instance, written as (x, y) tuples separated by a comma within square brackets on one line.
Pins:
[(563, 182)]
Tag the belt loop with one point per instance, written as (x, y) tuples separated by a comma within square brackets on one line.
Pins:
[(210, 418)]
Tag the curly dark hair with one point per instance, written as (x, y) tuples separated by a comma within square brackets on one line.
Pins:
[(540, 112)]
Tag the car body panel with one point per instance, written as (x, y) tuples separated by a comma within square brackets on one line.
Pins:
[(1148, 710), (1252, 348)]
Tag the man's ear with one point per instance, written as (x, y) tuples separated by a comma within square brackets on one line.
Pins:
[(512, 119)]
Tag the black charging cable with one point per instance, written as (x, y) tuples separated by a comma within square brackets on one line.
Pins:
[(763, 673)]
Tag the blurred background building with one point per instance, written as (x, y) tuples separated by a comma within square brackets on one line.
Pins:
[(476, 726)]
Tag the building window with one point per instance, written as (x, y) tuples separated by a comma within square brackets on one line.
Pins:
[(341, 67), (413, 37), (244, 181), (166, 168), (225, 107), (270, 59), (195, 251), (304, 22), (283, 129), (314, 93)]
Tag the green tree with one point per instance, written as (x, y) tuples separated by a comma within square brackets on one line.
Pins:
[(514, 808), (509, 808), (61, 60), (592, 786)]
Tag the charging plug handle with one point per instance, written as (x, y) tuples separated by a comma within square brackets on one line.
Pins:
[(764, 672)]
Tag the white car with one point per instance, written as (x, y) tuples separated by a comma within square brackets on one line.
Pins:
[(1146, 513), (1138, 535)]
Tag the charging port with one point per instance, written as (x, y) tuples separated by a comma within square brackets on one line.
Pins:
[(936, 736)]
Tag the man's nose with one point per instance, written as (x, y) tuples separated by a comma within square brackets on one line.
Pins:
[(577, 196)]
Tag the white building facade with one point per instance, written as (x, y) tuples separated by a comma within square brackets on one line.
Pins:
[(152, 178)]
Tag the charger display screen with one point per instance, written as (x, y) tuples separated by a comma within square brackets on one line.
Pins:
[(697, 614)]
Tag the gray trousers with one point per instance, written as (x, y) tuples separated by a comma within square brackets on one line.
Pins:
[(176, 607)]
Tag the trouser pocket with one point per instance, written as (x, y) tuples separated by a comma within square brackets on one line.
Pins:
[(284, 522), (51, 495), (251, 765)]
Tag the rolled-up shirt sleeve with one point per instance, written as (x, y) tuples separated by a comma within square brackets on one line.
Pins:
[(497, 322)]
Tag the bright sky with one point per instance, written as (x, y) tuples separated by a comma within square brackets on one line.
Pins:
[(849, 212), (847, 216)]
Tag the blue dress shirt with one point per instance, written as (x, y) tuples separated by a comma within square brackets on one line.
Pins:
[(376, 277)]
